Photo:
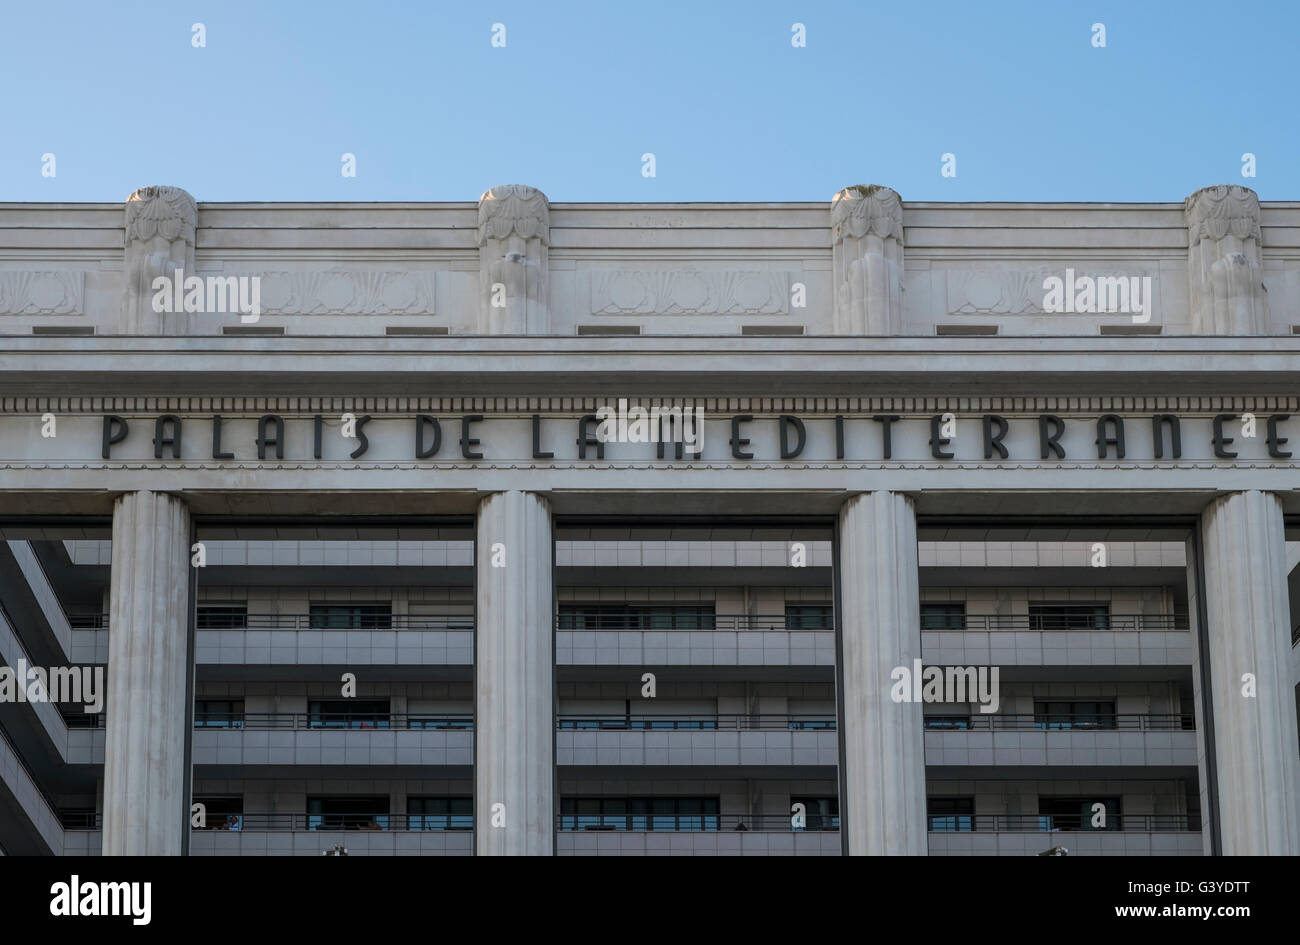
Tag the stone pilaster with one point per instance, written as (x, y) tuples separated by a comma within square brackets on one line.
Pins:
[(514, 238), (160, 228), (514, 666), (150, 676), (882, 747), (867, 260), (1249, 616), (1226, 294)]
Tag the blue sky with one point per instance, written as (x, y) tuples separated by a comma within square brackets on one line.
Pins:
[(715, 90)]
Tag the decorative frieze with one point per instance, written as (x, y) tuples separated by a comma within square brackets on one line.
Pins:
[(347, 292), (55, 292), (678, 292)]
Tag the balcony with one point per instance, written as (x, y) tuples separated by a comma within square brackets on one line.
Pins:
[(711, 640), (697, 741), (300, 738), (1030, 834), (1087, 741), (291, 639), (1058, 640)]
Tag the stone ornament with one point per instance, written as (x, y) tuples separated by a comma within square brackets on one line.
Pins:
[(1225, 209), (165, 212), (859, 210), (514, 210), (867, 260), (1226, 293), (514, 236), (160, 230)]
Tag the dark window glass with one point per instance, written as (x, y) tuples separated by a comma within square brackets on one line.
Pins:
[(809, 617), (1076, 813), (636, 617), (639, 813), (945, 616), (949, 814), (347, 813), (348, 713), (440, 813), (351, 616), (221, 811), (221, 617), (219, 713), (821, 813), (1054, 716), (947, 723), (1069, 617)]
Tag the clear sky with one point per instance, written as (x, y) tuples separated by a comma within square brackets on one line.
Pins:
[(731, 110)]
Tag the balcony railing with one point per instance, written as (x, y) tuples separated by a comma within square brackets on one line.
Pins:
[(290, 821), (307, 622), (1052, 623), (85, 819), (695, 723), (330, 721), (691, 622), (696, 823), (1046, 823), (989, 623), (1060, 723)]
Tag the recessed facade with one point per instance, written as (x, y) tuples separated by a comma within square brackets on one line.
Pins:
[(511, 527)]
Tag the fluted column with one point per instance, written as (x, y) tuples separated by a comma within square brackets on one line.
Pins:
[(160, 230), (150, 677), (867, 260), (514, 666), (514, 238), (1226, 294), (1248, 621), (882, 748)]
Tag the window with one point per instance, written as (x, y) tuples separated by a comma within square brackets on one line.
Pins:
[(636, 617), (348, 713), (351, 616), (820, 813), (440, 813), (1069, 616), (950, 814), (1057, 716), (347, 813), (945, 616), (639, 813), (440, 722), (219, 713), (947, 723), (1076, 813), (221, 617), (221, 811), (809, 617)]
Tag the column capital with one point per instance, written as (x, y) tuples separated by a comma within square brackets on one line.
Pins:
[(862, 209), (514, 210), (1222, 210)]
